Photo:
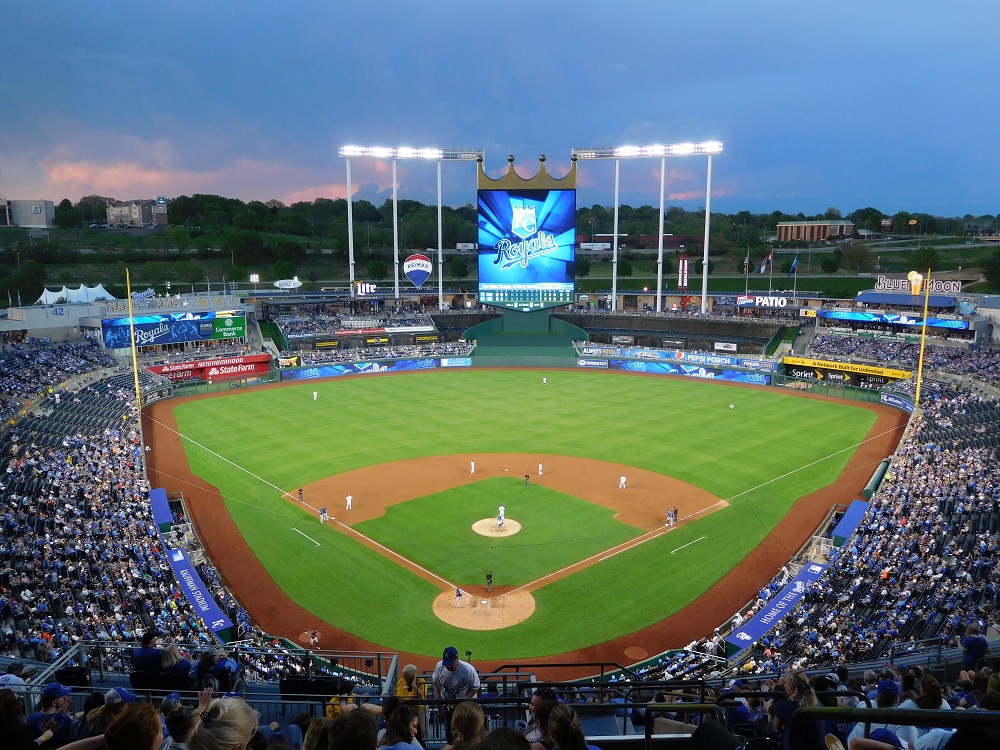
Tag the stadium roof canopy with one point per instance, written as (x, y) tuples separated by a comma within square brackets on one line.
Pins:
[(871, 297)]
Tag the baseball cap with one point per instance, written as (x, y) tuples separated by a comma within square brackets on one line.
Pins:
[(736, 683), (119, 695), (884, 735), (170, 702), (450, 656), (55, 690), (888, 686)]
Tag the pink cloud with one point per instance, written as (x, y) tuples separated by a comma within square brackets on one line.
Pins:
[(309, 194)]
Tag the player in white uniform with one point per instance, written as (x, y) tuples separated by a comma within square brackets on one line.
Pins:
[(500, 513), (621, 482), (350, 501)]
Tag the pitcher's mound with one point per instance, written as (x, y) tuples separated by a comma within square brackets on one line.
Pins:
[(492, 612), (488, 527)]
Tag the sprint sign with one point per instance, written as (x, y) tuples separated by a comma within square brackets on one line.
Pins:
[(417, 268)]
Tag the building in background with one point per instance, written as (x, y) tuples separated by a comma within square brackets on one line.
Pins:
[(141, 214), (814, 231), (33, 214)]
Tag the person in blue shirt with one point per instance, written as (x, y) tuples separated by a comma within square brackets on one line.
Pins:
[(147, 657)]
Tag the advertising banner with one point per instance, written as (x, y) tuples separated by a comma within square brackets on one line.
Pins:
[(216, 369), (197, 592), (899, 320), (775, 609), (600, 363), (152, 330), (358, 368), (527, 248), (677, 355), (457, 362), (694, 371), (828, 365), (899, 401)]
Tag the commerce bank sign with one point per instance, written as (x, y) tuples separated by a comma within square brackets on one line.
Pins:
[(934, 286)]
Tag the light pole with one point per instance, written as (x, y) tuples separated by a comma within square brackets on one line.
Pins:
[(394, 153), (254, 279), (659, 151)]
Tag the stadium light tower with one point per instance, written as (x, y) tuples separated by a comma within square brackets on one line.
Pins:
[(395, 153), (707, 148)]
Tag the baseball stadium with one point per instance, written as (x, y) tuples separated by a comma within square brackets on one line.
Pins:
[(628, 501)]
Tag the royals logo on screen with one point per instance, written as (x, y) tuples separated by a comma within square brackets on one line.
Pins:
[(417, 268), (523, 224)]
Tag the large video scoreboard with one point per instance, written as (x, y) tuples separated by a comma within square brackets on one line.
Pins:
[(527, 248)]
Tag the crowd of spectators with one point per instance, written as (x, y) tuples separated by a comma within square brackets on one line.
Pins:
[(305, 321), (448, 349), (30, 368), (922, 565), (81, 559)]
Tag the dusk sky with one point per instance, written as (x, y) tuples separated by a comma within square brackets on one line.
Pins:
[(850, 104)]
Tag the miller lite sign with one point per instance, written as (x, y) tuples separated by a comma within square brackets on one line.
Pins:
[(417, 268), (292, 283)]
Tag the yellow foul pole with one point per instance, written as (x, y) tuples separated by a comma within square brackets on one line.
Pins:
[(131, 328), (923, 338)]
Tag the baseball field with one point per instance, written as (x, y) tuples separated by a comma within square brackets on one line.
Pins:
[(581, 563)]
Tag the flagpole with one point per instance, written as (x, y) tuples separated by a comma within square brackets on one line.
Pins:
[(746, 272), (770, 274)]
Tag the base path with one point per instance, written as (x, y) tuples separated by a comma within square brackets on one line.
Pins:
[(642, 504)]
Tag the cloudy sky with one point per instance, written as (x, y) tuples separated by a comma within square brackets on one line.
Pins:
[(850, 104)]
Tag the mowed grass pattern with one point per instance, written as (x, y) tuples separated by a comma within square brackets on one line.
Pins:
[(557, 530), (773, 448)]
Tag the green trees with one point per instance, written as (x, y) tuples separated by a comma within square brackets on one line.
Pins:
[(377, 269), (458, 267), (926, 257), (991, 269)]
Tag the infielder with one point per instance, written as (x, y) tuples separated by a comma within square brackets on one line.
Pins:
[(472, 467), (539, 469), (350, 500), (500, 512), (621, 482)]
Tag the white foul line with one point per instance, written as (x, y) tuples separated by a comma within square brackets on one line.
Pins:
[(306, 536), (674, 552)]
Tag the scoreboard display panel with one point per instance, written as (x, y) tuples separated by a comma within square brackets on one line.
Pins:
[(527, 248)]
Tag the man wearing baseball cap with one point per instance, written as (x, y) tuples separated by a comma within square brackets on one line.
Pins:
[(454, 680), (888, 697), (52, 721)]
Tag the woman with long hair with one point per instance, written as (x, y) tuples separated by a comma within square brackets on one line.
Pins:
[(139, 728), (798, 693), (468, 726), (541, 717), (172, 661), (228, 724), (930, 698), (401, 729), (564, 731), (12, 728)]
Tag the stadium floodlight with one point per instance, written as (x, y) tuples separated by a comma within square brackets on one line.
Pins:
[(661, 150), (394, 153)]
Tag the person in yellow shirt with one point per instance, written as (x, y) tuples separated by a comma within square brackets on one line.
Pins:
[(411, 687)]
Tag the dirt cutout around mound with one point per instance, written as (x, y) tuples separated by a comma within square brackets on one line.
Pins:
[(643, 504)]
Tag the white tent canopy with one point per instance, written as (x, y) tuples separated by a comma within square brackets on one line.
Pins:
[(82, 294)]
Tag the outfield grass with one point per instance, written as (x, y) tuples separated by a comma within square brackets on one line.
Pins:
[(761, 457)]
